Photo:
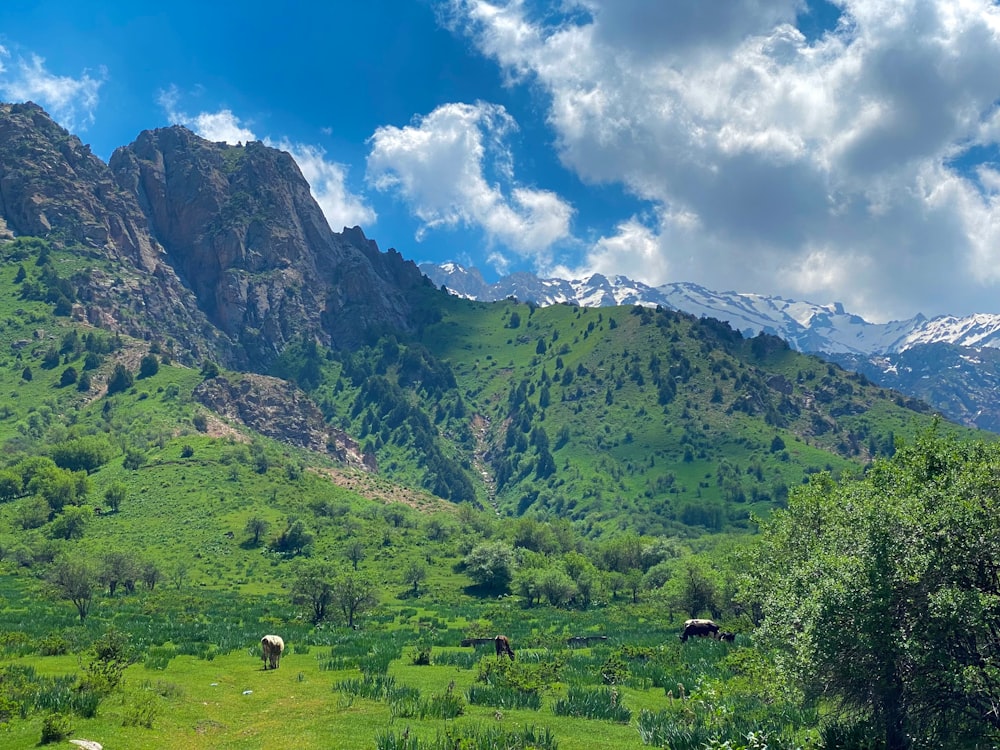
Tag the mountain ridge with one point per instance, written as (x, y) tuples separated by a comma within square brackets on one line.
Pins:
[(806, 326)]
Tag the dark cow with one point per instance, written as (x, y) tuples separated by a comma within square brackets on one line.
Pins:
[(503, 647), (726, 635), (701, 628)]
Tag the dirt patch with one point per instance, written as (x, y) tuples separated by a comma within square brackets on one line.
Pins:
[(377, 488)]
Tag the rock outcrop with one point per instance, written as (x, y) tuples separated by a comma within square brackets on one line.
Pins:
[(277, 409), (241, 227), (52, 186)]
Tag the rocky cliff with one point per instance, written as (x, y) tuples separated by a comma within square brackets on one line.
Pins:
[(52, 186), (240, 226), (221, 249)]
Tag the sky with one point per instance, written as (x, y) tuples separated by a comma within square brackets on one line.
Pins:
[(819, 150)]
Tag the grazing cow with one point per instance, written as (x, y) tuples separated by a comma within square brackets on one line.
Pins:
[(699, 628), (271, 647), (726, 635), (503, 647)]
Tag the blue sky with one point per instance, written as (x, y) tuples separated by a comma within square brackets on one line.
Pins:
[(829, 150)]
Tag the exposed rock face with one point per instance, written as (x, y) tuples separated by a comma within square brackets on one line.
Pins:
[(241, 227), (279, 410), (52, 186)]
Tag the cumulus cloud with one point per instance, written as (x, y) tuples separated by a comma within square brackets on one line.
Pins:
[(833, 164), (453, 167), (327, 179), (70, 101)]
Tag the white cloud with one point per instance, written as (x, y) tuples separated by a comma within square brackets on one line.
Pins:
[(453, 167), (827, 165), (633, 251), (327, 179), (70, 101)]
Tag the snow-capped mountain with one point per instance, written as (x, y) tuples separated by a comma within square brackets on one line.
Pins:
[(807, 326)]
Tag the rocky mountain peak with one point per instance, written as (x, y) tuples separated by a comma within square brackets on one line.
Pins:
[(52, 186), (242, 229)]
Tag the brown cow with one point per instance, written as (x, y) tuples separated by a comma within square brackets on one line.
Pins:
[(699, 628), (503, 647)]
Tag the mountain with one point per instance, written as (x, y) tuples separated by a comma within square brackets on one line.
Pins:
[(948, 362), (184, 252), (222, 246), (806, 326)]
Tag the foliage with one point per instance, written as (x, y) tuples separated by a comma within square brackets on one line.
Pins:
[(884, 590), (491, 565), (56, 727), (313, 586), (74, 579), (593, 703)]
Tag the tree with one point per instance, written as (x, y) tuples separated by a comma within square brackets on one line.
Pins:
[(59, 487), (71, 523), (884, 592), (68, 377), (693, 591), (118, 568), (354, 594), (556, 586), (256, 528), (294, 540), (10, 486), (115, 496), (149, 366), (120, 380), (150, 574), (491, 565), (355, 552), (414, 574), (73, 579), (314, 586)]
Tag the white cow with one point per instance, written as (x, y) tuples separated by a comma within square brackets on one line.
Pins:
[(271, 647)]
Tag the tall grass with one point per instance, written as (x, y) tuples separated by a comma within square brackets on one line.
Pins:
[(501, 696), (593, 703), (472, 737)]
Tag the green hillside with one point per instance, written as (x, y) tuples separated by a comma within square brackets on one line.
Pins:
[(544, 473), (612, 418)]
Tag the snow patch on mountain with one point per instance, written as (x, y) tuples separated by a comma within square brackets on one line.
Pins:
[(806, 326)]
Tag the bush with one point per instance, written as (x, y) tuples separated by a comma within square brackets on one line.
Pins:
[(55, 728), (591, 703), (140, 709)]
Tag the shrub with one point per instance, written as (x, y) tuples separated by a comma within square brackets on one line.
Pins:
[(140, 709), (593, 703), (55, 728)]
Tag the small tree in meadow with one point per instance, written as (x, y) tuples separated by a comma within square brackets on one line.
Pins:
[(491, 565), (313, 586), (414, 574), (75, 581), (354, 594), (256, 528), (114, 496)]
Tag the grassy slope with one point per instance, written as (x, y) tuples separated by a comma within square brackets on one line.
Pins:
[(625, 458), (219, 593)]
